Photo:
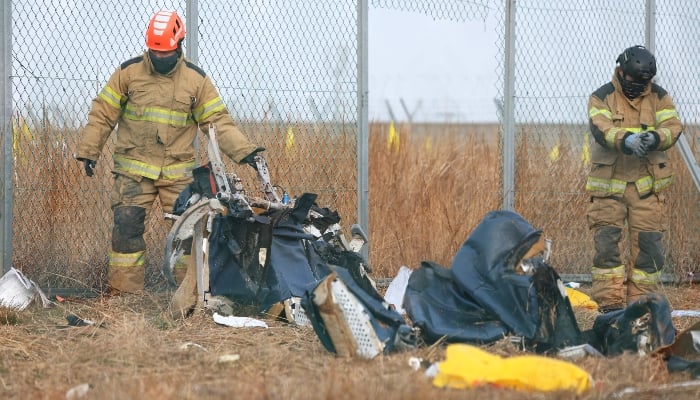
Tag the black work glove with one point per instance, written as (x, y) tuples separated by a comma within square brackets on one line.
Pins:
[(89, 166), (250, 158), (650, 140)]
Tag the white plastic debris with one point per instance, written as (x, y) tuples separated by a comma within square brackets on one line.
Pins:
[(572, 285), (187, 345), (78, 392), (238, 322), (17, 291), (228, 358), (414, 363), (656, 390), (578, 352), (432, 370), (397, 288), (685, 313)]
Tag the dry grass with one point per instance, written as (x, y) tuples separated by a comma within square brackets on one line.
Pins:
[(426, 194), (139, 352), (429, 192)]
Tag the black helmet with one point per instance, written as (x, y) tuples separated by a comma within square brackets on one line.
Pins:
[(638, 63)]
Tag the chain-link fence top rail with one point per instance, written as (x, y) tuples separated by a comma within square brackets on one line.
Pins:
[(286, 70)]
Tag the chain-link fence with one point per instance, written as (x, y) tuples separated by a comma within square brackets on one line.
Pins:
[(562, 52), (290, 72), (551, 56), (286, 70)]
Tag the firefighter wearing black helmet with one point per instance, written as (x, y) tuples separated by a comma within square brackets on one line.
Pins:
[(633, 122)]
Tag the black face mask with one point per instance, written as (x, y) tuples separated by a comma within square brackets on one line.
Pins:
[(632, 89), (164, 65)]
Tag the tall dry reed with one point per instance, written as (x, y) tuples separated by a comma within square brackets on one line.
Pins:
[(428, 188)]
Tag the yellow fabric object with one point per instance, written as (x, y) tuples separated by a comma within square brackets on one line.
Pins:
[(580, 299), (467, 366)]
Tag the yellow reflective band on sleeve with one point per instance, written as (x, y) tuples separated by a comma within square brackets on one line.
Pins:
[(136, 167), (127, 259), (662, 184), (110, 96), (207, 109), (665, 138), (665, 114), (180, 170), (594, 111), (612, 135), (606, 186), (639, 276), (601, 274), (158, 115), (644, 185)]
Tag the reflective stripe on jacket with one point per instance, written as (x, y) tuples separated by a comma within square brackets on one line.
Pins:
[(611, 116), (156, 117)]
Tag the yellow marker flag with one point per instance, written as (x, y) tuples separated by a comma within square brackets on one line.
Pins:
[(586, 154), (20, 133), (289, 140), (554, 153), (393, 141), (428, 145)]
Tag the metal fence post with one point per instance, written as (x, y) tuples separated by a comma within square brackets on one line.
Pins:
[(509, 110), (362, 117), (6, 131), (650, 26)]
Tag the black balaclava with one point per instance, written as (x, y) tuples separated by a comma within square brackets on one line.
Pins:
[(632, 89), (166, 64)]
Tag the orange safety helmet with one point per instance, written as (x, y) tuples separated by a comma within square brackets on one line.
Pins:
[(165, 31)]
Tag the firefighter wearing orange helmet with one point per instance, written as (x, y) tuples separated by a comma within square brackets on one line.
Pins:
[(156, 101), (633, 122)]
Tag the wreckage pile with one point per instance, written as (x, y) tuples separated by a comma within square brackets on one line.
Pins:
[(291, 260)]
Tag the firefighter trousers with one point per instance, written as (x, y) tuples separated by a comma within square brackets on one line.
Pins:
[(617, 283), (131, 200)]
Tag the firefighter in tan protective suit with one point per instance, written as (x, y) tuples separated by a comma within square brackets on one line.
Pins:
[(157, 101), (633, 122)]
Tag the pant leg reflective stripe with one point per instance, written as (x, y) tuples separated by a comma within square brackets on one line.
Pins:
[(601, 274), (127, 259), (639, 276)]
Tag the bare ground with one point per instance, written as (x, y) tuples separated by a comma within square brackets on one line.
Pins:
[(136, 351)]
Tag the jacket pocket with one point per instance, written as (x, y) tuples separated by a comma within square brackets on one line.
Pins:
[(600, 183), (662, 173), (181, 112), (603, 168)]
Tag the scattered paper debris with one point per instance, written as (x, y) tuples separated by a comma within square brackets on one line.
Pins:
[(238, 322), (78, 392), (578, 352), (685, 313), (228, 358), (657, 389), (414, 363), (187, 345), (397, 288)]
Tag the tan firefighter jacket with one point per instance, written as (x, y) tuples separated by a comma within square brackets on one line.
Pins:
[(612, 116), (156, 118)]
